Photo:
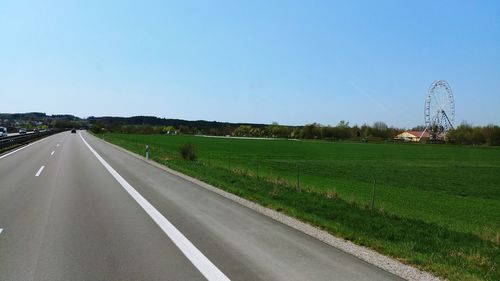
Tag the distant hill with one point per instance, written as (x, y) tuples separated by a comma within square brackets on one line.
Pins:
[(37, 116), (31, 119), (155, 121)]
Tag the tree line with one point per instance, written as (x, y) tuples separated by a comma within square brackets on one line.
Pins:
[(378, 131), (342, 131), (467, 134), (40, 120)]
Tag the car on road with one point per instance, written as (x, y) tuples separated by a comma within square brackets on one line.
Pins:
[(73, 131), (36, 130), (3, 132), (22, 131)]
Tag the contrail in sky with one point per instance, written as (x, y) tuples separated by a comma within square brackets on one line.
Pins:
[(370, 98)]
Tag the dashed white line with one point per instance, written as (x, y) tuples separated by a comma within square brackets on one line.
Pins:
[(202, 263), (57, 145), (39, 171), (52, 153), (1, 230)]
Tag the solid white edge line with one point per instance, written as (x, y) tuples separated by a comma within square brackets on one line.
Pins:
[(14, 151), (52, 153), (202, 263), (39, 171)]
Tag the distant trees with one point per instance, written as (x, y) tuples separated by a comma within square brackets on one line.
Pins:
[(342, 131), (65, 124), (380, 126), (97, 128), (492, 134), (419, 128), (148, 130), (183, 129), (311, 131), (379, 131), (328, 133), (185, 126), (168, 130), (382, 131), (467, 134), (275, 130), (243, 131)]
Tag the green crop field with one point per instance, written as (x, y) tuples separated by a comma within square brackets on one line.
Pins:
[(436, 206)]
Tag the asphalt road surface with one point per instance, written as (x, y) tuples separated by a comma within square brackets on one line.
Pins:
[(74, 208)]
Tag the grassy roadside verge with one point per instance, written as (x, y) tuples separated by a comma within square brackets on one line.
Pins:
[(7, 149), (452, 254)]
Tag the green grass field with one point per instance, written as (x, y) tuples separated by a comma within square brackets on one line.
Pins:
[(436, 206)]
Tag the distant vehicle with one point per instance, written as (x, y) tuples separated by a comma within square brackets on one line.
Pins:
[(35, 130), (3, 132), (22, 131), (73, 131)]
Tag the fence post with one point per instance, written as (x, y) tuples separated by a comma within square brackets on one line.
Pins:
[(147, 152), (373, 195), (298, 177)]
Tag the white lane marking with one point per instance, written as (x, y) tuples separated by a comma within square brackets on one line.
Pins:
[(14, 151), (1, 230), (39, 171), (52, 153), (202, 263), (57, 145)]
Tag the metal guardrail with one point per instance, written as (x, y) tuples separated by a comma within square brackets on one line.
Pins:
[(12, 141)]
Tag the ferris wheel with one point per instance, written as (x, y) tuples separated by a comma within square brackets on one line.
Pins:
[(439, 109)]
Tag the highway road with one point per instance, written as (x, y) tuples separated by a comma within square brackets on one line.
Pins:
[(75, 208)]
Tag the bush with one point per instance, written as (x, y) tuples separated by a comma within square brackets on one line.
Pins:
[(188, 152), (96, 129)]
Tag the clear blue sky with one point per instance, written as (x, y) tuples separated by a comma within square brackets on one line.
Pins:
[(294, 62)]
